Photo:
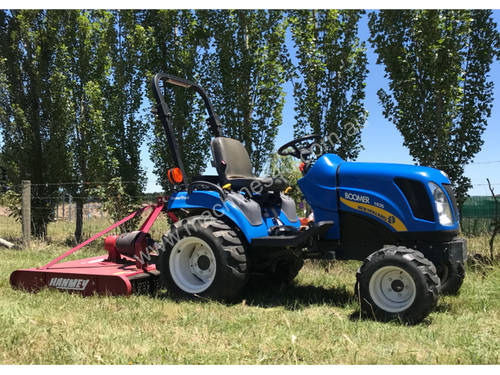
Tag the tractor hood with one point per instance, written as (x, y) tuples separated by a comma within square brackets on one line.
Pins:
[(356, 174), (397, 195), (401, 196)]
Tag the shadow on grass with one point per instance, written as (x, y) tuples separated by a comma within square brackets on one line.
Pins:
[(292, 296), (271, 294)]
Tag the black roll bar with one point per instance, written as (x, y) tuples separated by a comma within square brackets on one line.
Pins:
[(165, 115)]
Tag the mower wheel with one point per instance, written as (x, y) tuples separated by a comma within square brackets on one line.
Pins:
[(397, 283), (451, 276), (203, 256)]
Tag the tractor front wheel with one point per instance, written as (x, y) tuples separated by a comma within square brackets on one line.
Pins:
[(203, 256), (452, 276), (286, 270), (397, 283)]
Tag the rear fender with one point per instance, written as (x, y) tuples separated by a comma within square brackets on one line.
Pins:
[(246, 215)]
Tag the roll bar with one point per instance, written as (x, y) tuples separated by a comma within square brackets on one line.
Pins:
[(165, 115)]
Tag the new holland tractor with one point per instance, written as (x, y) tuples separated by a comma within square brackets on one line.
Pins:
[(400, 220)]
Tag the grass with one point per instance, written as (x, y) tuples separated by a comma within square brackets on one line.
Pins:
[(313, 321)]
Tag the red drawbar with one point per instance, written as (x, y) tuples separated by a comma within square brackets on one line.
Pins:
[(114, 273)]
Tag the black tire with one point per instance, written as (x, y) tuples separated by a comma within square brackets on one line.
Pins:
[(229, 259), (413, 280), (452, 277), (286, 270)]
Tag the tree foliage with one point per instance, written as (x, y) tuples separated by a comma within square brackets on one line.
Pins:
[(117, 202), (34, 99), (175, 38), (245, 68), (330, 88), (71, 91), (124, 96), (440, 95)]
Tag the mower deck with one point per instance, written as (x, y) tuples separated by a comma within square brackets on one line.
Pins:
[(88, 276)]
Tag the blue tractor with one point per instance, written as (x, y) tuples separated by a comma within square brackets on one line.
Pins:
[(400, 220)]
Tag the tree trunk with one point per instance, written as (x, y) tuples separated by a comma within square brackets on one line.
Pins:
[(39, 222), (79, 220)]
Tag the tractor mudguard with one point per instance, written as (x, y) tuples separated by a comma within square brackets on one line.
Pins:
[(245, 214)]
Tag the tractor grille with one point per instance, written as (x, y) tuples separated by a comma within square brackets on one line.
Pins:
[(451, 194), (417, 197)]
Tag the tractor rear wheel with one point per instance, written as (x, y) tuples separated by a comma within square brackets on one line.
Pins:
[(452, 277), (397, 283), (203, 256)]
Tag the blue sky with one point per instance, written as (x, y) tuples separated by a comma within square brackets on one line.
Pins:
[(381, 140)]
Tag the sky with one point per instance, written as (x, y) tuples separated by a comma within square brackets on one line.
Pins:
[(381, 140)]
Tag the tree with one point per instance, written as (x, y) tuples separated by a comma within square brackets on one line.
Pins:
[(330, 89), (245, 68), (87, 67), (33, 106), (71, 91), (123, 92), (174, 40), (440, 95)]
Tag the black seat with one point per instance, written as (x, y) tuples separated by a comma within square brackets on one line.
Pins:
[(233, 166)]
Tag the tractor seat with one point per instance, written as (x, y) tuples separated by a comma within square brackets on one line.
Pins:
[(233, 166)]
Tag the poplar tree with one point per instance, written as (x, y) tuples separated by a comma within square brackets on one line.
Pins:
[(87, 67), (245, 68), (173, 46), (440, 95), (329, 87), (34, 99), (124, 95)]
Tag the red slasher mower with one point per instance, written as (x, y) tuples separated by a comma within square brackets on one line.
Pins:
[(127, 268)]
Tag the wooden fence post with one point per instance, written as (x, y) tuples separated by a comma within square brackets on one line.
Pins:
[(70, 206), (26, 212)]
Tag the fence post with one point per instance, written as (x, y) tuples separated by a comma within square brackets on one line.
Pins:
[(63, 199), (70, 204), (26, 212)]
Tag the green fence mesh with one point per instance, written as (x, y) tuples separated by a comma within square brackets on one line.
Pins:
[(479, 208), (477, 216)]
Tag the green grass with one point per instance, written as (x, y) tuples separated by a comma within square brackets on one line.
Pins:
[(313, 321)]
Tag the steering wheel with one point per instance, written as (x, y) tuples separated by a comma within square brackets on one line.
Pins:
[(300, 148)]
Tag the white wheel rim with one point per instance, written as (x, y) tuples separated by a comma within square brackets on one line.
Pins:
[(192, 265), (392, 289)]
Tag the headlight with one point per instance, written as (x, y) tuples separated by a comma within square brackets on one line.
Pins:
[(442, 204)]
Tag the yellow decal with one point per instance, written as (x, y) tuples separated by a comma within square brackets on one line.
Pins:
[(287, 190), (227, 186), (121, 272), (389, 218)]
